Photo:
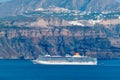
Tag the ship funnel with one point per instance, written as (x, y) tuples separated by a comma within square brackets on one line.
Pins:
[(76, 54)]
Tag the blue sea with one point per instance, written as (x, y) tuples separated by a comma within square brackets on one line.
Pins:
[(26, 70)]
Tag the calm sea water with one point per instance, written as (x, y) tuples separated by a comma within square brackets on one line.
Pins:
[(26, 70)]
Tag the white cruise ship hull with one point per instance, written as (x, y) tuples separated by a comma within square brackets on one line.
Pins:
[(63, 63)]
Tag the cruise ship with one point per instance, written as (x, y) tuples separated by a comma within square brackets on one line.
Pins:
[(66, 60)]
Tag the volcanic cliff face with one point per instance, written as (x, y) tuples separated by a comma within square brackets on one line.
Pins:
[(28, 43), (17, 7), (57, 27)]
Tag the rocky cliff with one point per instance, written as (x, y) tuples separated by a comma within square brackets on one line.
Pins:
[(57, 27), (97, 41)]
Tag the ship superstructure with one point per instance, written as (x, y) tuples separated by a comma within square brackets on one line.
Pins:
[(66, 60)]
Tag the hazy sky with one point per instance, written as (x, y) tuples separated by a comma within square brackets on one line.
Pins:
[(118, 0), (9, 0), (4, 0)]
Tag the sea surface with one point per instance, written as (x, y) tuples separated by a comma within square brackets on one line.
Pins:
[(26, 70)]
